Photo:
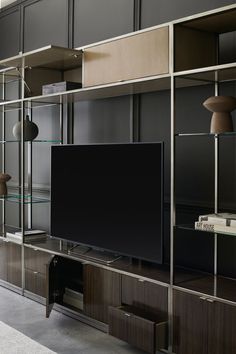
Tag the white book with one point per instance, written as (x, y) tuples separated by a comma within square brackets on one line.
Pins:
[(13, 237), (226, 216), (207, 226)]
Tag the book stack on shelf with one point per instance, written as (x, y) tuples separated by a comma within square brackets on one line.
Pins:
[(30, 235), (221, 222)]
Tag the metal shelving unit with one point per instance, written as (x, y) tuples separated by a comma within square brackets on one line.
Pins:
[(217, 21)]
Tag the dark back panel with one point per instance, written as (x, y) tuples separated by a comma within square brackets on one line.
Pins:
[(101, 19), (154, 12), (102, 121), (45, 22), (10, 34)]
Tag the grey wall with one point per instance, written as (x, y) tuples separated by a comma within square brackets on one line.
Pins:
[(27, 25)]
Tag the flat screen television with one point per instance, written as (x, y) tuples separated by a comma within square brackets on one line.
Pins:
[(110, 197)]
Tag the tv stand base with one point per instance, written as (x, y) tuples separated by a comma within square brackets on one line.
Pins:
[(93, 254)]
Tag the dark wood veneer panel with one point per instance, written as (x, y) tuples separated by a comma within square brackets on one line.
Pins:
[(142, 333), (101, 289), (118, 326), (3, 261), (36, 260), (14, 264), (221, 328), (151, 297), (35, 282), (133, 329), (190, 324)]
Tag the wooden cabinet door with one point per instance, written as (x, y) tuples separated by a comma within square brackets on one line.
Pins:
[(35, 282), (101, 289), (148, 296), (3, 260), (36, 260), (221, 328), (132, 57), (54, 283), (14, 264), (190, 324)]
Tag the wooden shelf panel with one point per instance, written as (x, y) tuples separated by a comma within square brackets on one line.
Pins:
[(221, 22), (49, 57), (209, 75)]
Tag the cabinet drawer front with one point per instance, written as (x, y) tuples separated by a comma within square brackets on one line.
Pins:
[(3, 260), (35, 282), (143, 294), (14, 264), (141, 333), (131, 328), (101, 290), (118, 326), (36, 260), (132, 57)]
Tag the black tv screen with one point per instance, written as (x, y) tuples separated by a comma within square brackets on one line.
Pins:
[(109, 196)]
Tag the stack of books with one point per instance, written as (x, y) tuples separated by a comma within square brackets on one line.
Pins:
[(221, 222), (30, 235)]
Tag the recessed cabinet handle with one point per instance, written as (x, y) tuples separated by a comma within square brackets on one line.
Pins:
[(35, 272), (127, 314), (203, 298), (210, 300)]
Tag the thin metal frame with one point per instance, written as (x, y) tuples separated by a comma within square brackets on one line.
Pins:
[(22, 173), (173, 76), (3, 149)]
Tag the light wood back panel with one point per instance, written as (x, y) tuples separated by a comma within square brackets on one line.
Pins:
[(194, 48), (131, 57)]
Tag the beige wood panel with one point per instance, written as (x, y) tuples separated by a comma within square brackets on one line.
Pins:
[(194, 48), (219, 23), (141, 55)]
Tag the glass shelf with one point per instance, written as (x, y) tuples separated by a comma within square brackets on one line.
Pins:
[(17, 198), (225, 134), (7, 228), (191, 227), (209, 75), (218, 286), (129, 87), (34, 141), (10, 105)]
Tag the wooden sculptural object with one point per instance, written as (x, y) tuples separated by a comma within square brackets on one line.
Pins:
[(4, 177)]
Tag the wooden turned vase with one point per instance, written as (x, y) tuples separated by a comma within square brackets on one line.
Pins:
[(221, 106), (4, 177)]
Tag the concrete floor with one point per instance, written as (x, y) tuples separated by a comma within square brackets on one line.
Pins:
[(59, 333)]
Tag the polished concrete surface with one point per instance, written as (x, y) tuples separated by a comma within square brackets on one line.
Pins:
[(59, 333), (15, 342)]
